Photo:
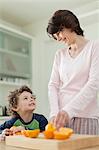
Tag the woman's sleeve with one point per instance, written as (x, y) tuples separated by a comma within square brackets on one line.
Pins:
[(89, 91), (53, 87)]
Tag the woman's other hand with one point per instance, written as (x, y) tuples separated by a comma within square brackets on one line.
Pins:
[(60, 120)]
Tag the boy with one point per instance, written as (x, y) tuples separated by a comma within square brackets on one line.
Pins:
[(21, 105)]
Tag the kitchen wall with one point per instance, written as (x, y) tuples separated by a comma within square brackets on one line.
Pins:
[(10, 25), (45, 48)]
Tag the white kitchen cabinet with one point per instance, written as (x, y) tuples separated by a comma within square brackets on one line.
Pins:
[(15, 60)]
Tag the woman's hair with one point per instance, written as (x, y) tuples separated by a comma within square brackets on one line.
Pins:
[(14, 97), (64, 19)]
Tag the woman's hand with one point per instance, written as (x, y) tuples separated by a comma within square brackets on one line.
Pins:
[(52, 120), (60, 120)]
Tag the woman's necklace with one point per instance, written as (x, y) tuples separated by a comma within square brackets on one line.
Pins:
[(73, 49)]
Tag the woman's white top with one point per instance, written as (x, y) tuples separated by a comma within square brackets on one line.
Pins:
[(74, 82)]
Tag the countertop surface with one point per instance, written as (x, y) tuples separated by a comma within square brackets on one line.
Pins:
[(5, 117), (3, 146)]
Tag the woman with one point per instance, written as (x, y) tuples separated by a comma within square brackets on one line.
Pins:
[(74, 81)]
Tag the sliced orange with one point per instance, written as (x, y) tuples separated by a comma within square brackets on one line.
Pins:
[(24, 132), (50, 127), (63, 133), (48, 134), (60, 135), (18, 133), (49, 131), (31, 133), (12, 128), (66, 130)]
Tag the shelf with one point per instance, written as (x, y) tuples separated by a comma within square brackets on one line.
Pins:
[(15, 74), (5, 118), (12, 83), (13, 53)]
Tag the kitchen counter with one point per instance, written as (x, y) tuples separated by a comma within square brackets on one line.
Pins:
[(3, 146), (4, 118), (76, 142)]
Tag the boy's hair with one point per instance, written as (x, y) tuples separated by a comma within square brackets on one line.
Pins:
[(13, 98)]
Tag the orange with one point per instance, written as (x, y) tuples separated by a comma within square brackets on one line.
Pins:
[(18, 133), (24, 132), (48, 134), (49, 131), (66, 130), (63, 133), (31, 133), (50, 127), (12, 128), (60, 135)]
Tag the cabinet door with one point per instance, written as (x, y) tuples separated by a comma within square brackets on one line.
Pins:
[(14, 42), (14, 54), (14, 65)]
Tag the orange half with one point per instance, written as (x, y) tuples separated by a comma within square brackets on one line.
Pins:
[(48, 134), (50, 127), (60, 135), (31, 133)]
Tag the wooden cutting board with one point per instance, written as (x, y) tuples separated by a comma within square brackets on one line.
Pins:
[(75, 142)]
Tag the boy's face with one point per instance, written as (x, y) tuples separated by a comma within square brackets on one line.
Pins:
[(26, 102)]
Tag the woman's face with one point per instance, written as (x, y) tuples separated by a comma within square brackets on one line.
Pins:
[(65, 36)]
